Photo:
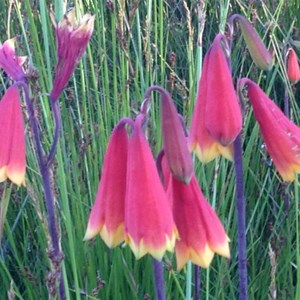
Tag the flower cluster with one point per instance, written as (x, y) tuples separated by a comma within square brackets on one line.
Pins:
[(133, 204)]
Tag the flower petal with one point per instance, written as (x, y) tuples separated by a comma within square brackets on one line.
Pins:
[(200, 230), (107, 215), (12, 138), (149, 223), (281, 136)]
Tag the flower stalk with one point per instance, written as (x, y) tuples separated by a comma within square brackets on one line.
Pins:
[(158, 273), (55, 248), (241, 218)]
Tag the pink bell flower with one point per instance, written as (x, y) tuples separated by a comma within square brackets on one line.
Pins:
[(12, 144)]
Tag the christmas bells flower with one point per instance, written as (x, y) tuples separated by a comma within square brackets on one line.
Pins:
[(107, 215), (130, 193), (217, 118), (201, 233), (12, 144), (293, 69), (72, 39), (281, 136), (174, 140), (149, 223), (9, 62), (258, 51)]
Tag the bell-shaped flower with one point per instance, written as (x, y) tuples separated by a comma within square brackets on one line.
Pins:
[(174, 137), (174, 141), (107, 215), (12, 143), (217, 118), (149, 224), (258, 51), (292, 66), (281, 136), (72, 39), (9, 62), (201, 233)]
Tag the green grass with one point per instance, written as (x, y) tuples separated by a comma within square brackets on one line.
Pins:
[(130, 50)]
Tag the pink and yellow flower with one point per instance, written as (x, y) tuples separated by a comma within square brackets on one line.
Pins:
[(107, 215), (281, 136), (201, 233), (9, 62), (293, 69), (149, 223), (217, 118), (72, 39), (12, 143)]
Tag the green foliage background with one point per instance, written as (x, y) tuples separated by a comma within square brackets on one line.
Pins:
[(133, 46)]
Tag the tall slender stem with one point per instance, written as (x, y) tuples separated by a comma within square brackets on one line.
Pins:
[(197, 282), (48, 193), (57, 119), (241, 219), (188, 289), (159, 279)]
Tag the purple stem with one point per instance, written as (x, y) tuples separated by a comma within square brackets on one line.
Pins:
[(241, 218), (57, 119), (48, 193), (159, 279), (197, 283)]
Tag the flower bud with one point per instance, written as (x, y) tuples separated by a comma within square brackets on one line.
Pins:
[(292, 66), (258, 51)]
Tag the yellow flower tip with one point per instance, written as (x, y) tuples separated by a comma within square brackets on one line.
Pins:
[(17, 178), (202, 258), (90, 233), (114, 237), (227, 151), (222, 249), (3, 174), (157, 252), (288, 174), (11, 43), (207, 154)]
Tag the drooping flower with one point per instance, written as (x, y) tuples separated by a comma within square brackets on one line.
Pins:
[(281, 136), (72, 39), (149, 224), (107, 215), (258, 51), (217, 118), (173, 132), (201, 233), (9, 62), (293, 69), (12, 143)]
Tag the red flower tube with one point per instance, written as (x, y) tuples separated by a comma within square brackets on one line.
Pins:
[(217, 118), (201, 233), (12, 143), (281, 136), (107, 215), (149, 223)]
